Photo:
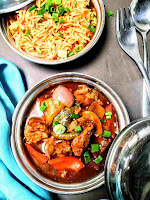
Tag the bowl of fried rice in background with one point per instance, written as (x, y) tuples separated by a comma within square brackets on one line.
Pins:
[(100, 14)]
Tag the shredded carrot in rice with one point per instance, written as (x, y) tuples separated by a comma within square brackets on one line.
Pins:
[(45, 37)]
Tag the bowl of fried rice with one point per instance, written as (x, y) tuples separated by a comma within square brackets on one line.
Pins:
[(54, 31)]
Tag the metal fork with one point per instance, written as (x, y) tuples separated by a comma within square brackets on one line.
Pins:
[(127, 38)]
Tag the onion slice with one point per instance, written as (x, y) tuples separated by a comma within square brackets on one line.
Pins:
[(64, 95)]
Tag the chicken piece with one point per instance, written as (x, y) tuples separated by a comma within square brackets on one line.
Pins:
[(76, 122), (80, 142), (86, 95), (57, 148), (35, 130), (103, 143), (77, 110)]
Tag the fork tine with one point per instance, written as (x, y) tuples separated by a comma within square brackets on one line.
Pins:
[(130, 17), (121, 19), (126, 21), (117, 21)]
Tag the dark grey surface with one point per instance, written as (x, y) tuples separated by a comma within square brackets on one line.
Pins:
[(105, 61)]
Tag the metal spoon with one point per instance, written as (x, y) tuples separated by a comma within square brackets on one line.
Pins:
[(140, 11)]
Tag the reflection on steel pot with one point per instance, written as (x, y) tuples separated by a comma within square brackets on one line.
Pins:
[(18, 124), (127, 168)]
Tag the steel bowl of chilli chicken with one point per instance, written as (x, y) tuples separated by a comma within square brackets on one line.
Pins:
[(66, 132)]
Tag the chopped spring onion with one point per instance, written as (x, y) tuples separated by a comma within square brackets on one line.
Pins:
[(56, 102), (78, 128), (61, 20), (41, 20), (108, 113), (87, 157), (43, 106), (70, 54), (103, 120), (32, 8), (52, 9), (98, 159), (61, 10), (48, 5), (43, 4), (41, 11), (27, 32), (106, 134), (67, 10), (38, 50), (55, 16), (78, 49), (75, 4), (110, 13), (95, 147), (62, 53), (108, 117), (55, 123), (91, 28), (74, 116), (86, 154), (58, 2), (59, 129), (60, 35)]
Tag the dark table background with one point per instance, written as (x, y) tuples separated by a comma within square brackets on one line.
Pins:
[(105, 61)]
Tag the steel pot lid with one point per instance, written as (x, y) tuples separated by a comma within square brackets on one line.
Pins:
[(12, 5), (127, 168)]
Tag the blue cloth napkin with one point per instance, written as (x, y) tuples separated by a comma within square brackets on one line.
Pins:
[(14, 184)]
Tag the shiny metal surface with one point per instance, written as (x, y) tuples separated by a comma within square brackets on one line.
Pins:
[(18, 117), (140, 11), (127, 38), (7, 6), (99, 6), (127, 168)]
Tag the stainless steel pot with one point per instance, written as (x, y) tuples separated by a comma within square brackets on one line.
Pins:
[(99, 6), (17, 133)]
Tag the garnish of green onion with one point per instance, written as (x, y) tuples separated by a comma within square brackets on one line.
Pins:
[(52, 9), (32, 8), (98, 159), (61, 20), (74, 116), (61, 10), (38, 50), (78, 128), (59, 129), (67, 10), (55, 17), (70, 54), (43, 4), (41, 11), (95, 147), (55, 123), (108, 113), (27, 32), (78, 49), (58, 2), (87, 157), (56, 102), (106, 134), (48, 4), (110, 13), (75, 4), (103, 120), (91, 28), (60, 35), (108, 117), (43, 106)]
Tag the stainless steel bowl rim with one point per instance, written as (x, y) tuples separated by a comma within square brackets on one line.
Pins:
[(53, 186), (100, 27), (111, 152)]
